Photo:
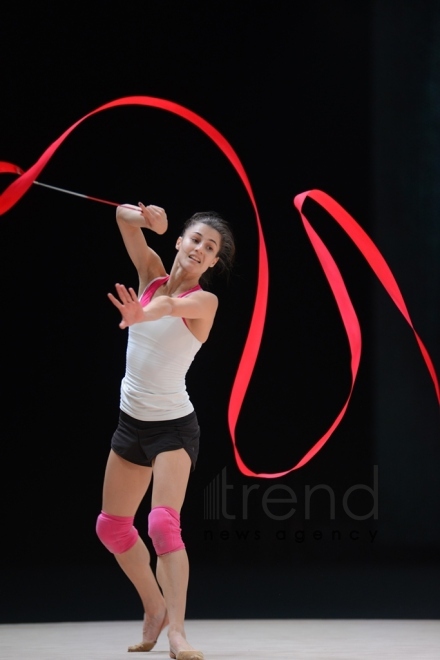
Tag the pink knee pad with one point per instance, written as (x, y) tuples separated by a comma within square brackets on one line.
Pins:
[(164, 530), (116, 532)]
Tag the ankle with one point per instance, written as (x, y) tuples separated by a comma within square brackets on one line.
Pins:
[(176, 629), (155, 609)]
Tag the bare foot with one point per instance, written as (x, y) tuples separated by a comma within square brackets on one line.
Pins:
[(180, 649), (153, 626)]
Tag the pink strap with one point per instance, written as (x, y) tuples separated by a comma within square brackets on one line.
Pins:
[(152, 288), (252, 344), (155, 284)]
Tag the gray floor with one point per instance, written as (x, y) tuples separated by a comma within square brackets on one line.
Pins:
[(229, 640)]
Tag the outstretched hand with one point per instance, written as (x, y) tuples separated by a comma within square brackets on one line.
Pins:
[(128, 304), (155, 217)]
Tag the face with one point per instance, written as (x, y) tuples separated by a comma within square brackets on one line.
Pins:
[(198, 247)]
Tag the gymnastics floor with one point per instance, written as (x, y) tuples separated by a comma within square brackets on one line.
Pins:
[(281, 639)]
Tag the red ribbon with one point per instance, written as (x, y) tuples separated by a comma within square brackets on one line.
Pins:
[(253, 341), (9, 168)]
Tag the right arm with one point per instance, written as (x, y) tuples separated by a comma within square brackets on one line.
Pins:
[(132, 220)]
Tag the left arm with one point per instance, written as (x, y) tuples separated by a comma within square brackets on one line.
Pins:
[(199, 307)]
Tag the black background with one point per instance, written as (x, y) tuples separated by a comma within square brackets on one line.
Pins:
[(342, 97)]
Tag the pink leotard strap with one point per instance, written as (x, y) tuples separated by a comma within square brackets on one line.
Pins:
[(155, 284)]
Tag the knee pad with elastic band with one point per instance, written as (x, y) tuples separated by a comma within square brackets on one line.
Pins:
[(164, 530), (116, 532)]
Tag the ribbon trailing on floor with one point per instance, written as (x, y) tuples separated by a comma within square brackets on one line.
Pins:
[(13, 193)]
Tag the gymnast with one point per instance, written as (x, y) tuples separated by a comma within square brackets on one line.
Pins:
[(156, 441)]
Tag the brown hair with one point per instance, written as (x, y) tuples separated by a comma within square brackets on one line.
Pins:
[(226, 251)]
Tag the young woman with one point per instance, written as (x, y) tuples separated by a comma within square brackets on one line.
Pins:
[(157, 438)]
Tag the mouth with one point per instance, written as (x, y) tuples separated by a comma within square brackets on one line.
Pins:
[(193, 258)]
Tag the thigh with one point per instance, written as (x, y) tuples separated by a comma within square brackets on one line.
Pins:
[(171, 471), (125, 485)]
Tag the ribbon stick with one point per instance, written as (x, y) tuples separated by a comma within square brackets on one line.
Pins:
[(10, 168), (70, 192), (249, 356)]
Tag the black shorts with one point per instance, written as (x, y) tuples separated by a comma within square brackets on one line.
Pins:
[(140, 442)]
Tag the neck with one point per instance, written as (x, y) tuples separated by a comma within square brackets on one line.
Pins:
[(179, 281)]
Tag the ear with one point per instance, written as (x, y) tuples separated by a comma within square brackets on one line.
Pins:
[(178, 242), (213, 264)]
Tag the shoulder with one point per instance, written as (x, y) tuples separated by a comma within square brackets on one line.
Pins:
[(205, 297), (197, 304), (199, 310)]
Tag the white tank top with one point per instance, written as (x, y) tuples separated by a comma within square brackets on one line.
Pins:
[(159, 354)]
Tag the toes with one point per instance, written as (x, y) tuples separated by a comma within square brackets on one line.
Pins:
[(143, 646)]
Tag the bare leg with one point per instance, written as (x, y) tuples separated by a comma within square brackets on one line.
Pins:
[(125, 485), (171, 472)]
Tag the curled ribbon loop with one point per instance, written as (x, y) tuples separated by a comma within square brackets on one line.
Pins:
[(19, 187), (9, 168), (378, 264)]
